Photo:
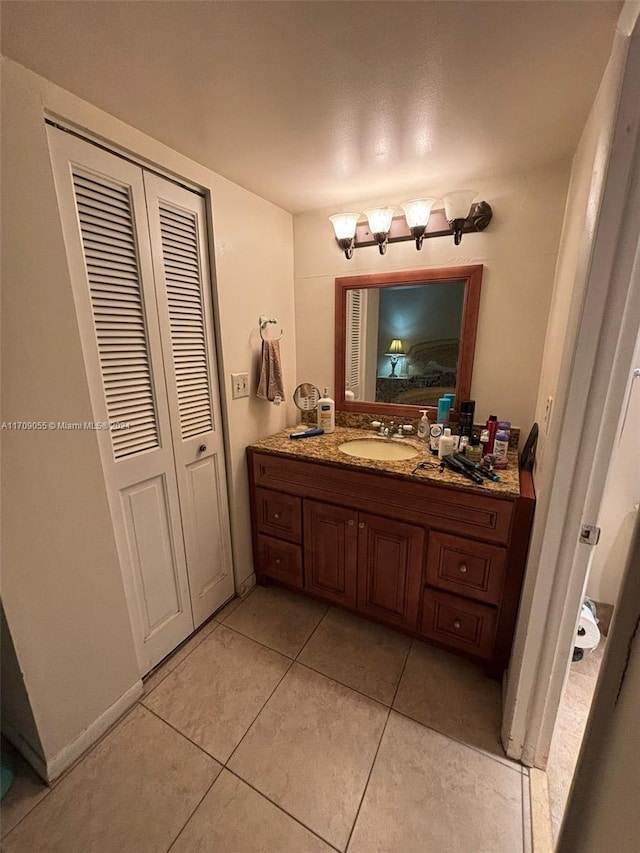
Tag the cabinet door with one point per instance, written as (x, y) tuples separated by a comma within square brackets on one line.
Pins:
[(330, 551), (390, 557)]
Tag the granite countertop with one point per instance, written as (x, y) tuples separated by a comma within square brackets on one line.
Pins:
[(324, 449)]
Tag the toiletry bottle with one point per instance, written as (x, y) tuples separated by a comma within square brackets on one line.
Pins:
[(326, 412), (505, 426), (451, 397), (444, 407), (492, 427), (434, 437), (465, 417), (424, 426), (445, 445), (501, 444), (473, 450)]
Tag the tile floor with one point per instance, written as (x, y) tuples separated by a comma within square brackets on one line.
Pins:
[(569, 730), (285, 725)]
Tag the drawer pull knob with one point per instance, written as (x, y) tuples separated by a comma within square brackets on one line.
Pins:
[(457, 624), (463, 569), (277, 561), (351, 522), (276, 515), (361, 525)]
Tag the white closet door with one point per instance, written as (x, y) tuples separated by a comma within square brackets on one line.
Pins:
[(353, 379), (104, 219), (177, 222)]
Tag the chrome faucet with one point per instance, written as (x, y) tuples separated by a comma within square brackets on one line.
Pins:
[(387, 431)]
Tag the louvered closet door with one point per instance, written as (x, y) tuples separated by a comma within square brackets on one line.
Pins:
[(104, 218), (354, 349), (177, 222)]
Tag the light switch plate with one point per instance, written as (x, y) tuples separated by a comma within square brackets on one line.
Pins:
[(239, 385)]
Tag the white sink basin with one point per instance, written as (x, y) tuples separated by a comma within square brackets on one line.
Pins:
[(378, 448)]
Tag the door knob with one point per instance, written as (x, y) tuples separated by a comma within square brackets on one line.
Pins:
[(202, 448)]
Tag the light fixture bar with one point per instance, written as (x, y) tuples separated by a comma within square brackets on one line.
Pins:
[(478, 219)]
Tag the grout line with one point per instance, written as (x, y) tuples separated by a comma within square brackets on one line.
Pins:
[(516, 768), (364, 792), (253, 640), (280, 808), (262, 707), (186, 737), (404, 666), (199, 803), (342, 684), (320, 621)]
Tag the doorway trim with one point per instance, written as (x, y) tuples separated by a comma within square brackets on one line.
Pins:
[(609, 310)]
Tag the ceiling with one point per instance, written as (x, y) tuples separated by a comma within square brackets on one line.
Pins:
[(315, 104)]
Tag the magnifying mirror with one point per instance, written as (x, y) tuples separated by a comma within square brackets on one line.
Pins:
[(306, 397)]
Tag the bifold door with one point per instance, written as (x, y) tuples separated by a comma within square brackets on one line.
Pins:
[(136, 246)]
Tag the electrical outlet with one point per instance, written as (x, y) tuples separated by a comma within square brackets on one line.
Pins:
[(239, 385)]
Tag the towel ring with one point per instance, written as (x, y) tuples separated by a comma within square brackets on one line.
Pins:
[(264, 321)]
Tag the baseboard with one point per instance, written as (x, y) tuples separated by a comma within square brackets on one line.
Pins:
[(541, 829), (246, 586), (72, 751)]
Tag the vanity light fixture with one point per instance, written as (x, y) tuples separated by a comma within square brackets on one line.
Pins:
[(395, 351), (417, 213), (344, 227), (461, 215), (380, 219), (457, 207)]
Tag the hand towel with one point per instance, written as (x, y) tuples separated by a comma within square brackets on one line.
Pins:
[(270, 385)]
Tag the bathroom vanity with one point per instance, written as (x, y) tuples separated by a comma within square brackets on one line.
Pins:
[(427, 553)]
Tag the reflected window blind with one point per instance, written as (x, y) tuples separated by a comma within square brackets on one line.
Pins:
[(109, 243), (180, 252), (354, 342)]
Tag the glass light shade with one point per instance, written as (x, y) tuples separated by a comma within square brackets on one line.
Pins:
[(380, 219), (457, 205), (344, 225), (417, 211), (395, 347)]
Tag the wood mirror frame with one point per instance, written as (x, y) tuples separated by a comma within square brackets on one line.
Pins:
[(472, 278)]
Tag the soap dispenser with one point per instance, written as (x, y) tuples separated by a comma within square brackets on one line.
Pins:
[(326, 412), (424, 426)]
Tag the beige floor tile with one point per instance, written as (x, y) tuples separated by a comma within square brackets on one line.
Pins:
[(357, 653), (26, 790), (230, 606), (453, 696), (590, 664), (132, 793), (527, 845), (277, 618), (176, 658), (311, 750), (427, 793), (214, 695), (233, 818), (541, 834)]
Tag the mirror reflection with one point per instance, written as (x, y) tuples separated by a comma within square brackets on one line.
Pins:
[(402, 343)]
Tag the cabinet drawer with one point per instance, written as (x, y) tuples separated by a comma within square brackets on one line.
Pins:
[(279, 560), (464, 625), (279, 515), (466, 567)]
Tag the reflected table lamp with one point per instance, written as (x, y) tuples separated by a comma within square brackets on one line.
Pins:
[(395, 352)]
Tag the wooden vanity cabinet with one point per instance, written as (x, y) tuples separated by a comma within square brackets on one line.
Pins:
[(440, 564)]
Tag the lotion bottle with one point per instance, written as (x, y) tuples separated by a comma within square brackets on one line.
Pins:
[(424, 426), (445, 445), (326, 412)]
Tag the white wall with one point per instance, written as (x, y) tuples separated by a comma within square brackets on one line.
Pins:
[(518, 251), (61, 584), (620, 501)]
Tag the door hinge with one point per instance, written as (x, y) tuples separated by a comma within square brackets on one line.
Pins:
[(589, 534)]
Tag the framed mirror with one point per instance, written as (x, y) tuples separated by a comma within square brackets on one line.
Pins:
[(405, 339)]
